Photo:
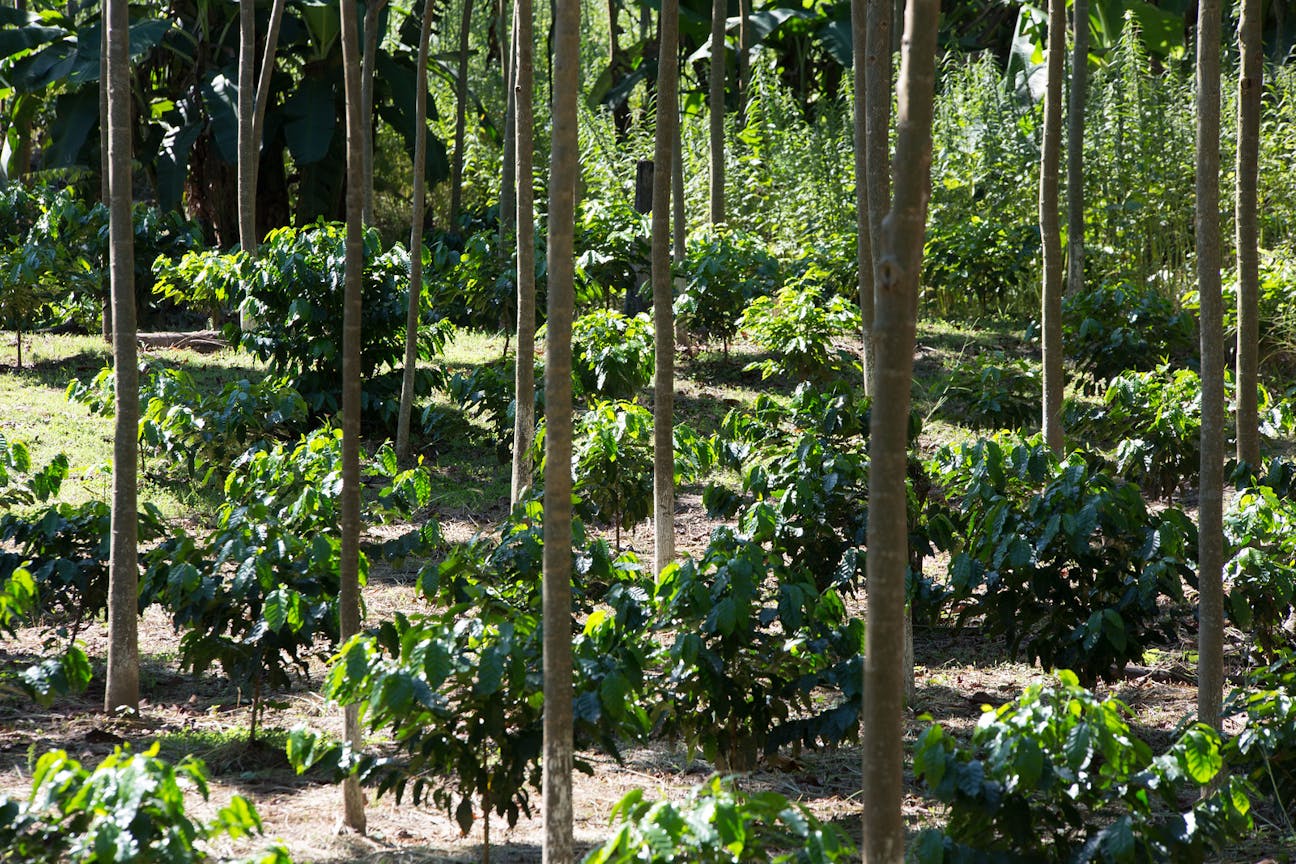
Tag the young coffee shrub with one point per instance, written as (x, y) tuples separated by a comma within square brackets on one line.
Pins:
[(612, 355), (719, 824), (1063, 561), (1113, 329), (797, 327), (725, 270), (1058, 775), (993, 390)]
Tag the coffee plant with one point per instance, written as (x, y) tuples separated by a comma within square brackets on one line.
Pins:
[(1113, 329), (1261, 574), (719, 824), (130, 808), (1156, 418), (1058, 776), (459, 689), (726, 270), (1060, 559), (797, 327), (992, 390), (258, 595), (612, 355), (181, 424)]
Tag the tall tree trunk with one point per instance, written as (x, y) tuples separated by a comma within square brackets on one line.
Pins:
[(1075, 147), (744, 52), (372, 13), (523, 115), (877, 130), (863, 238), (263, 80), (563, 167), (679, 218), (717, 108), (22, 158), (1210, 519), (122, 686), (663, 309), (461, 115), (508, 181), (247, 144), (1051, 230), (353, 815), (417, 211), (105, 169), (901, 262), (1250, 82)]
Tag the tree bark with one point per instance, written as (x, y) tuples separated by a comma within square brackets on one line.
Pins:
[(877, 132), (523, 115), (1075, 147), (900, 265), (1210, 553), (367, 62), (563, 162), (247, 144), (744, 52), (1250, 83), (416, 235), (263, 82), (461, 115), (863, 238), (122, 686), (717, 107), (104, 161), (1051, 229), (353, 815), (508, 180), (663, 309)]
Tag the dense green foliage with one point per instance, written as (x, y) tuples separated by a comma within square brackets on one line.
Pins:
[(130, 808)]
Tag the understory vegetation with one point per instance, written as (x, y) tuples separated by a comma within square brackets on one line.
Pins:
[(1051, 595)]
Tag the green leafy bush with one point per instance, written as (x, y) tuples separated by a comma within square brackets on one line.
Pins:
[(130, 808), (1058, 775), (796, 327), (295, 293), (66, 549), (1260, 528), (612, 354), (612, 463), (258, 595), (181, 424), (1059, 558), (993, 390), (459, 690), (18, 485), (718, 824), (1117, 328), (1264, 748), (1156, 417), (726, 270)]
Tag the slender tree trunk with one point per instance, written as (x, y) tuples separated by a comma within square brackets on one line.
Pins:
[(1250, 82), (679, 218), (1210, 553), (22, 158), (863, 237), (461, 115), (247, 144), (717, 107), (508, 182), (744, 51), (372, 13), (353, 815), (416, 235), (877, 129), (104, 161), (1075, 147), (122, 686), (663, 309), (617, 64), (1051, 230), (900, 265), (263, 81), (563, 162), (524, 383)]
